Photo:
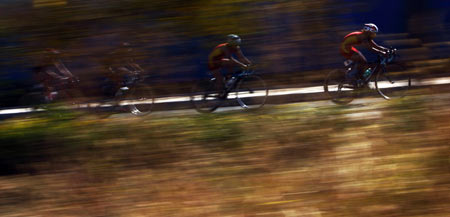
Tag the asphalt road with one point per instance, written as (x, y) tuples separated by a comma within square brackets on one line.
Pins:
[(182, 104)]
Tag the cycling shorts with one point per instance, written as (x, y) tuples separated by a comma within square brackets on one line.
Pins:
[(214, 65), (348, 55)]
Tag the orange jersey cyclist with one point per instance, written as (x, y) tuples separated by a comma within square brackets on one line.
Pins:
[(363, 37), (222, 57)]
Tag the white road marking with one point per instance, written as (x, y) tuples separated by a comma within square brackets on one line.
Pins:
[(272, 92)]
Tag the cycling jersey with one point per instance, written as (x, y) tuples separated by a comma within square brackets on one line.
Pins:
[(220, 52), (347, 48)]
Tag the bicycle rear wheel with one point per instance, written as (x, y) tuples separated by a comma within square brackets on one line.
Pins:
[(338, 88), (140, 100), (204, 96), (251, 92), (393, 81)]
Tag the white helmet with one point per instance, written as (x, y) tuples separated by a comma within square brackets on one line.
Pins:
[(233, 39), (370, 27)]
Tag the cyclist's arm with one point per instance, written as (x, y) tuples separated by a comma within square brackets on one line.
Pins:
[(237, 62), (136, 67), (377, 48), (63, 69), (241, 56), (53, 74)]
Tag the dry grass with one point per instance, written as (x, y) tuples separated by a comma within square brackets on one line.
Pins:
[(291, 160)]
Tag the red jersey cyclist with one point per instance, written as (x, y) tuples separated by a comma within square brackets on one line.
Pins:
[(348, 50), (52, 74), (222, 57)]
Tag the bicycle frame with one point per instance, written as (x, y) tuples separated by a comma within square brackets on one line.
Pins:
[(239, 75), (136, 74), (380, 65), (206, 97), (245, 72)]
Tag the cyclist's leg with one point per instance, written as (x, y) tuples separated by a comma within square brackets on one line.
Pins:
[(228, 64), (349, 62), (216, 70), (70, 89), (220, 85), (360, 61), (122, 73), (50, 89), (359, 65), (116, 79)]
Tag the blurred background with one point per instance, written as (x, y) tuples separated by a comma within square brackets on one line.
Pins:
[(370, 158), (288, 40)]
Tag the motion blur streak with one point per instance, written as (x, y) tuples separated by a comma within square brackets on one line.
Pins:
[(75, 149)]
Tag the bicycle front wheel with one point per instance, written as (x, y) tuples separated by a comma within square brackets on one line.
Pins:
[(338, 88), (205, 97), (393, 81), (140, 100), (251, 92)]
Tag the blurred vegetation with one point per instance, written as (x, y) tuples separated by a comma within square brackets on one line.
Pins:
[(380, 159)]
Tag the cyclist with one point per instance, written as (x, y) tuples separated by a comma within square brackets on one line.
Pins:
[(52, 73), (222, 57), (120, 63), (347, 49)]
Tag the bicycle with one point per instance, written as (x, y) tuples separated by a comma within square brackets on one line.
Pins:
[(64, 90), (388, 77), (250, 92), (133, 92)]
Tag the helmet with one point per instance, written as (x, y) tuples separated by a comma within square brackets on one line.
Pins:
[(233, 39), (51, 51), (370, 27), (127, 46)]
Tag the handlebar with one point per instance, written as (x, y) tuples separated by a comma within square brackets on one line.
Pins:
[(392, 51), (249, 67), (391, 54)]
